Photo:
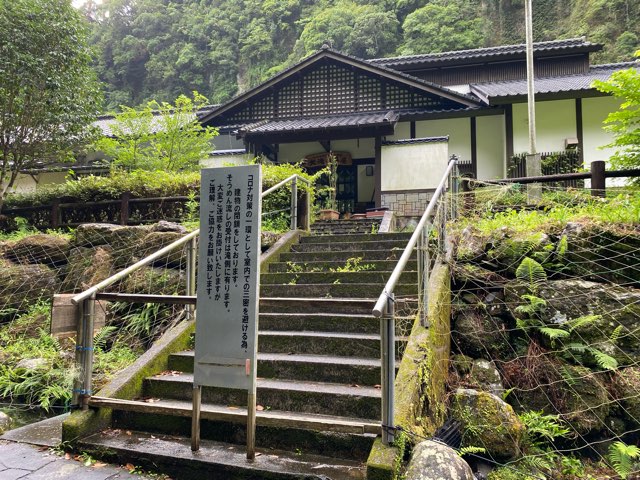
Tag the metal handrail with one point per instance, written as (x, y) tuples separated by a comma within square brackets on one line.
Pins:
[(379, 308), (162, 252)]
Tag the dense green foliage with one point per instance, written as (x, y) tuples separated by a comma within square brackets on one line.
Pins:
[(160, 49), (159, 136), (625, 122), (48, 90)]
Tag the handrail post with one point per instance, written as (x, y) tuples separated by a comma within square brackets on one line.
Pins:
[(426, 262), (598, 179), (191, 275), (79, 357), (294, 203), (87, 360), (124, 208), (307, 201), (388, 358)]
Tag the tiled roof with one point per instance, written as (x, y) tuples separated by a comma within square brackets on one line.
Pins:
[(353, 120), (230, 152), (483, 53), (570, 83), (411, 141)]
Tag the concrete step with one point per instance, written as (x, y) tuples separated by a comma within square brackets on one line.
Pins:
[(320, 322), (285, 395), (361, 237), (386, 245), (339, 306), (408, 277), (317, 266), (341, 256), (331, 369), (223, 461), (352, 290), (322, 343)]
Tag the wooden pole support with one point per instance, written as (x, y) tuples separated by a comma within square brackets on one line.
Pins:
[(251, 426), (195, 418), (598, 181), (124, 208)]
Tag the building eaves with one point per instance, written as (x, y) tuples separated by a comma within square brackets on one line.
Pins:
[(411, 141), (492, 92), (489, 53), (326, 52)]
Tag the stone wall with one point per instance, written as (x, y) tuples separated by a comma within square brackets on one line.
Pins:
[(409, 203)]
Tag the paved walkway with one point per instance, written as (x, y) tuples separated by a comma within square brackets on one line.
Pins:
[(19, 460), (27, 453)]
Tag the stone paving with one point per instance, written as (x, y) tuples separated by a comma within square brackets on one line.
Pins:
[(22, 461)]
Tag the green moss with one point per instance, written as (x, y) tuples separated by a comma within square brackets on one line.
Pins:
[(384, 461)]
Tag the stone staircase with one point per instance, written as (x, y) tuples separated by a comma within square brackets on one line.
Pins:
[(318, 396)]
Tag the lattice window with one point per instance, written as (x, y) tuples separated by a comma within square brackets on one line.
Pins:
[(289, 101), (342, 89), (370, 92), (263, 108), (316, 92), (241, 116), (398, 97), (429, 101)]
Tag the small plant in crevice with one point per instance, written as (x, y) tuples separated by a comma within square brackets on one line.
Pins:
[(354, 264)]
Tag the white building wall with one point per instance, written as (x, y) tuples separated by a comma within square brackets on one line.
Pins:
[(594, 111), (226, 161), (491, 147), (555, 121), (403, 131), (458, 130)]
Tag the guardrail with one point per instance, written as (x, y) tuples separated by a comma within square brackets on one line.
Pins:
[(86, 300), (385, 305)]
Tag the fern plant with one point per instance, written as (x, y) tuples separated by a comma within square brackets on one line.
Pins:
[(531, 273), (623, 458)]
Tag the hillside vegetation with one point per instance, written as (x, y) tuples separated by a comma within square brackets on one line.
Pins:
[(158, 49)]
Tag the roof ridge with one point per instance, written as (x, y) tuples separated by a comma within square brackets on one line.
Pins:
[(576, 41)]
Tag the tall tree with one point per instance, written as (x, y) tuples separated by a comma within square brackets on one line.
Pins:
[(49, 95)]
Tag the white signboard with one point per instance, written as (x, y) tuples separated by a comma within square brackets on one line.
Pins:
[(228, 272)]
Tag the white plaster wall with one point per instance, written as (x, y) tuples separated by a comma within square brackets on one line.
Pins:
[(458, 129), (491, 149), (24, 184), (225, 161), (403, 130), (358, 148), (555, 121), (48, 178), (413, 166), (594, 111), (227, 141)]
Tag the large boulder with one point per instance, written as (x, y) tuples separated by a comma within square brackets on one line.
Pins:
[(87, 267), (508, 252), (21, 286), (488, 422), (126, 243), (165, 226), (156, 240), (34, 249), (627, 385), (94, 234), (435, 461), (5, 422), (470, 245), (152, 280), (601, 253), (485, 376), (614, 325), (480, 335)]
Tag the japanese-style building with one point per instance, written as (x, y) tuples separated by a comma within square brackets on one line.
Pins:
[(393, 122)]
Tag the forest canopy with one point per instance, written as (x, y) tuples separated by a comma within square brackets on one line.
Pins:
[(159, 49)]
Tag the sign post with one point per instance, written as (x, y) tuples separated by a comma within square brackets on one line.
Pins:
[(228, 289)]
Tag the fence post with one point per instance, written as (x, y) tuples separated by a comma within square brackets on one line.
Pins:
[(388, 358), (124, 208), (55, 213), (191, 275), (79, 357), (87, 360), (307, 206), (598, 179), (294, 203)]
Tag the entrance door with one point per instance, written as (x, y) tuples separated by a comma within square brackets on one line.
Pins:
[(346, 187)]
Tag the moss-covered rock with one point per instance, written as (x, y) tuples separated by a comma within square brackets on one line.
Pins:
[(156, 281), (126, 243), (485, 376), (21, 286), (601, 253), (614, 325), (154, 241), (462, 363), (34, 249), (469, 275), (488, 422), (627, 386), (434, 461), (94, 234), (470, 246), (508, 252), (480, 335), (87, 267)]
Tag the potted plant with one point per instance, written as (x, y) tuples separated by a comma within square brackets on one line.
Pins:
[(329, 211)]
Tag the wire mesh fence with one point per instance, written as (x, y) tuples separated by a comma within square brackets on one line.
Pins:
[(546, 317)]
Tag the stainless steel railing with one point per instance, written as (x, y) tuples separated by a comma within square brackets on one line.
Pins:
[(86, 300), (385, 305)]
